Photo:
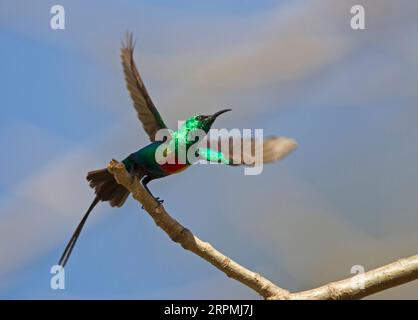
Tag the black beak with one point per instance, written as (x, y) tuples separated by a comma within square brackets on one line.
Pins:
[(217, 114)]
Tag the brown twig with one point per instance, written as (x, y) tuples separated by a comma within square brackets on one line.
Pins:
[(391, 275)]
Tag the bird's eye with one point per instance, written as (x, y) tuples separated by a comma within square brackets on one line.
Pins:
[(199, 118)]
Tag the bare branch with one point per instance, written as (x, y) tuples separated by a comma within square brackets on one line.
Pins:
[(396, 273), (376, 280), (188, 241)]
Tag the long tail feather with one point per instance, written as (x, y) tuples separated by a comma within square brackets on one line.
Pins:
[(106, 189), (70, 246)]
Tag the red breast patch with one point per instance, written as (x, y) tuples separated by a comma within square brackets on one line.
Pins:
[(174, 167)]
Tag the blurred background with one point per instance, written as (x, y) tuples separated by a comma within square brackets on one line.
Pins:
[(347, 196)]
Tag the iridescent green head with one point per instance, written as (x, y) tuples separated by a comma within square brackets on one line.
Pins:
[(202, 122)]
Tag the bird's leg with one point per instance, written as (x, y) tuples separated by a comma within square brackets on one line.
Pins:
[(144, 183), (132, 173)]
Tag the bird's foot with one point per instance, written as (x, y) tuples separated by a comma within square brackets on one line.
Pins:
[(159, 202)]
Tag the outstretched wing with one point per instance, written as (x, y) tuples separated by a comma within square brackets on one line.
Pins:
[(274, 149), (145, 108)]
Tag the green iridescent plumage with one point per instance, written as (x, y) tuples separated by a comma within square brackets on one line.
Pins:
[(146, 163), (175, 149)]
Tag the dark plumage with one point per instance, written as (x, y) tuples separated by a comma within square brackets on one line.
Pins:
[(106, 188)]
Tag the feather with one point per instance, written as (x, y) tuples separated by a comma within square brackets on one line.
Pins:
[(147, 112), (274, 149)]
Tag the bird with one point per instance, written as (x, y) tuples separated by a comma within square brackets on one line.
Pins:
[(143, 164)]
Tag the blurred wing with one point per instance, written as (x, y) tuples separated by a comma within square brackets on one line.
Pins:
[(145, 108), (274, 149)]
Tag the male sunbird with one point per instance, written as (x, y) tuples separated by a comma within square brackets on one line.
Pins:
[(143, 163)]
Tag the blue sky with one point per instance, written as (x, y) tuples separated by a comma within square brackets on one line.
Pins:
[(346, 196)]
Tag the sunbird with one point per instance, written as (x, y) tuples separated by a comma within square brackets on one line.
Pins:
[(143, 163)]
